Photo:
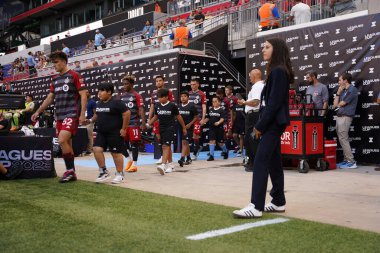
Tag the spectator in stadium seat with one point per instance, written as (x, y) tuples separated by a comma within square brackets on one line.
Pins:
[(269, 16), (300, 13), (181, 35), (90, 46), (110, 13), (65, 49), (192, 15), (100, 40), (77, 66), (95, 64), (342, 7), (199, 18), (148, 31), (31, 64)]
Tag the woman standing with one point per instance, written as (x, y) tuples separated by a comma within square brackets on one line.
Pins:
[(273, 119)]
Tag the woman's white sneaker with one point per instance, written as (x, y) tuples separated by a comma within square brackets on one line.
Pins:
[(272, 208), (248, 212)]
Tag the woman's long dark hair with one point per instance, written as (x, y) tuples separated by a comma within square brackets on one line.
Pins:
[(280, 57)]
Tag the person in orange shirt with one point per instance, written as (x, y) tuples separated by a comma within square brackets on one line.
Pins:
[(269, 16), (181, 35)]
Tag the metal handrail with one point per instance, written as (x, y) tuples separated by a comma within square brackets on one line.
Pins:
[(211, 50)]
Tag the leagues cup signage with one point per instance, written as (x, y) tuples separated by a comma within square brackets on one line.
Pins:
[(33, 154), (351, 46)]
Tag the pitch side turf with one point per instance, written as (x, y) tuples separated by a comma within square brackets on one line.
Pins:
[(45, 216)]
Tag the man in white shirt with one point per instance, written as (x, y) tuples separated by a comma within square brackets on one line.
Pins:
[(252, 106), (300, 13)]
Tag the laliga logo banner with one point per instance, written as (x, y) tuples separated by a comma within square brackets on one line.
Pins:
[(144, 70), (33, 154), (331, 49)]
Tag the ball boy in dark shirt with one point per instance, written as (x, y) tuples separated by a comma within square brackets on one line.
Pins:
[(166, 112), (189, 113), (216, 118), (112, 118)]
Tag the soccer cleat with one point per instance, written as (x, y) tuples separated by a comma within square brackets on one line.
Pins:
[(211, 158), (159, 161), (118, 179), (181, 162), (248, 212), (188, 161), (133, 168), (161, 168), (272, 208), (69, 175), (104, 175), (349, 165), (225, 155), (129, 164)]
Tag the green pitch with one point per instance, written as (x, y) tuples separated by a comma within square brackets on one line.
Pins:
[(45, 216)]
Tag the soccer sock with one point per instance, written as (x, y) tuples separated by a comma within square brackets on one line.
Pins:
[(212, 149), (160, 147), (126, 154), (188, 157), (69, 161), (196, 146), (182, 158), (224, 148), (135, 151)]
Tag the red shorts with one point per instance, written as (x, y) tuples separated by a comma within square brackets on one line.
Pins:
[(68, 124), (133, 133), (197, 128), (227, 126), (156, 127)]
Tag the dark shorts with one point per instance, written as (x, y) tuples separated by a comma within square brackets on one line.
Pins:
[(238, 128), (216, 134), (114, 143), (167, 136), (189, 135)]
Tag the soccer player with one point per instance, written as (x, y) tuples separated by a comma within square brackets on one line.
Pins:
[(225, 104), (198, 98), (69, 93), (166, 112), (228, 90), (112, 118), (189, 114), (216, 118), (135, 104), (238, 126), (160, 84)]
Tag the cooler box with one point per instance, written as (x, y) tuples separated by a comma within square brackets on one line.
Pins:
[(330, 153)]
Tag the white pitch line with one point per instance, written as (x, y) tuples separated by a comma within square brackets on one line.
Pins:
[(230, 230)]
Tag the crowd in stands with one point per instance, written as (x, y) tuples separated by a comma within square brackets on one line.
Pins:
[(20, 64)]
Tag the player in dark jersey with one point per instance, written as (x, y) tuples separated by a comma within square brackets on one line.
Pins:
[(189, 114), (198, 98), (160, 83), (166, 112), (225, 104), (228, 90), (112, 118), (135, 104), (238, 126), (216, 117), (68, 92)]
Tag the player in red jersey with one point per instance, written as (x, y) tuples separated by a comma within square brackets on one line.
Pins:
[(135, 104), (68, 92), (160, 84), (198, 98)]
